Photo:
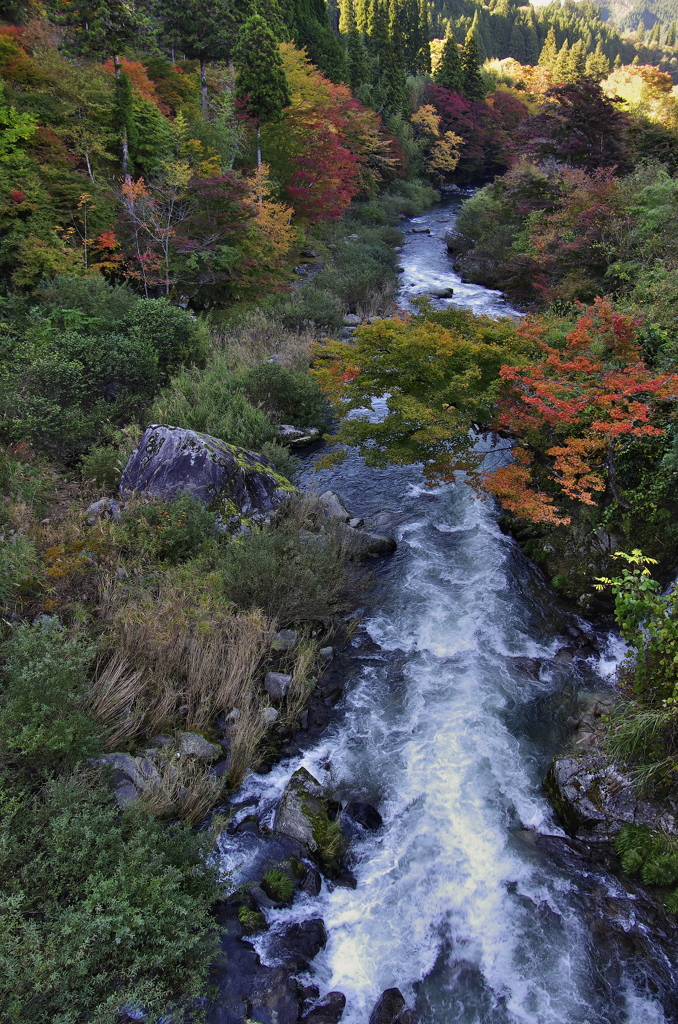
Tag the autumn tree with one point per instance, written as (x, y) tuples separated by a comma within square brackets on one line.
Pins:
[(261, 83)]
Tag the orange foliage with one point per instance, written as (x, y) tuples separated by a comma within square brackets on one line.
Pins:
[(141, 83)]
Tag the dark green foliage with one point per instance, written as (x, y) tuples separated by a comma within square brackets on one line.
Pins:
[(473, 86), (170, 531), (42, 707), (210, 402), (204, 30), (287, 397), (282, 458), (101, 28), (450, 74), (92, 296), (358, 271), (252, 921), (653, 856), (261, 83), (177, 337), (292, 574), (278, 885), (311, 305), (100, 909), (310, 28)]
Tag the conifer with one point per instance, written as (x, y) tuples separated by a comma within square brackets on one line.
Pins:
[(424, 55), (260, 82), (549, 51), (449, 73), (358, 60), (671, 35), (474, 88)]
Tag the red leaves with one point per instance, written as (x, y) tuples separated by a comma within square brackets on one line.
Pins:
[(575, 406)]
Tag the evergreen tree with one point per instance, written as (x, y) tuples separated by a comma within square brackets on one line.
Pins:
[(561, 67), (260, 82), (347, 16), (474, 88), (449, 73), (531, 40), (671, 35), (203, 30), (476, 32), (309, 26), (424, 55), (517, 43), (392, 70), (577, 62), (597, 65), (549, 51), (358, 60)]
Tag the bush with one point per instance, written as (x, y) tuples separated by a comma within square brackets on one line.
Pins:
[(286, 396), (93, 296), (282, 458), (311, 305), (209, 401), (176, 336), (45, 686), (357, 271), (19, 567), (167, 530), (100, 909), (290, 574)]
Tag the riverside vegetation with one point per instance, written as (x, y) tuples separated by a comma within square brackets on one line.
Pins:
[(189, 207)]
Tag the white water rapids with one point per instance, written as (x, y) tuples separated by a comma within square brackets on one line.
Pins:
[(450, 738)]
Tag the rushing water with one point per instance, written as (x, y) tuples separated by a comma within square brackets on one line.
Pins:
[(450, 736)]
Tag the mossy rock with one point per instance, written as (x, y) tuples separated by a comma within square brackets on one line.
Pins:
[(237, 483)]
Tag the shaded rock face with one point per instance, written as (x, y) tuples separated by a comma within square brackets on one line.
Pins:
[(169, 461), (391, 1008), (328, 1011), (595, 799), (302, 799)]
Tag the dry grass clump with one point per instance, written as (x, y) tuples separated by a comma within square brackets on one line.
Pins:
[(187, 789), (258, 337), (182, 656)]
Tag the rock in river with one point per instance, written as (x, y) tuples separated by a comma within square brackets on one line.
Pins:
[(301, 801), (170, 460), (391, 1008)]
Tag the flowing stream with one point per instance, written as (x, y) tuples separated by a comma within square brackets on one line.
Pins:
[(449, 734)]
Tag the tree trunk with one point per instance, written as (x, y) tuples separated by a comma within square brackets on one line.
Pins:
[(612, 478), (203, 86), (125, 144), (258, 145)]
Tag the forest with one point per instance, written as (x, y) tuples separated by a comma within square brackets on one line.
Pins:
[(202, 214)]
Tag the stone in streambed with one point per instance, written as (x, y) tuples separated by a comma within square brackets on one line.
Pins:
[(192, 744), (333, 506), (391, 1008), (363, 544), (328, 1011), (300, 943), (301, 801), (364, 814), (277, 684)]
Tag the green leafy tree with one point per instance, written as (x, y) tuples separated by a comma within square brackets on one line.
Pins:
[(449, 73), (261, 82), (470, 63)]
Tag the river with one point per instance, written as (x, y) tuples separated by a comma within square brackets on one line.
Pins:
[(449, 736)]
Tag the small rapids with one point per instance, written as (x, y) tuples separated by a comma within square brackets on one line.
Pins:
[(446, 731)]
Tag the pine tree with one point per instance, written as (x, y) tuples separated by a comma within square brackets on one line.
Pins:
[(260, 82), (517, 43), (424, 55), (655, 34), (309, 25), (347, 16), (531, 40), (476, 32), (561, 68), (358, 60), (577, 62), (671, 35), (361, 9), (449, 73), (474, 88), (597, 65), (549, 51), (392, 69)]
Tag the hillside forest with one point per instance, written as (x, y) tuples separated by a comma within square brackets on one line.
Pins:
[(197, 198)]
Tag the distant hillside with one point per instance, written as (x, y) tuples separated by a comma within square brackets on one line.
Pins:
[(627, 14)]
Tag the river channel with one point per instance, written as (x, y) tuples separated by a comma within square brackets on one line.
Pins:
[(448, 729)]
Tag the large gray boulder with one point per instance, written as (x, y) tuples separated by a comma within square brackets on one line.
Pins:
[(391, 1008), (595, 798), (169, 461)]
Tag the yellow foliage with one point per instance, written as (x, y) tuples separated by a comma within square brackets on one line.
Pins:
[(644, 89), (444, 155), (272, 218), (426, 121)]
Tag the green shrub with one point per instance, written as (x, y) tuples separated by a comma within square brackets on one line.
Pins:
[(329, 839), (209, 401), (278, 885), (282, 458), (19, 566), (167, 530), (652, 856), (104, 463), (311, 305), (289, 573), (286, 396), (176, 336), (99, 909), (93, 296), (357, 271), (45, 688), (252, 921)]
